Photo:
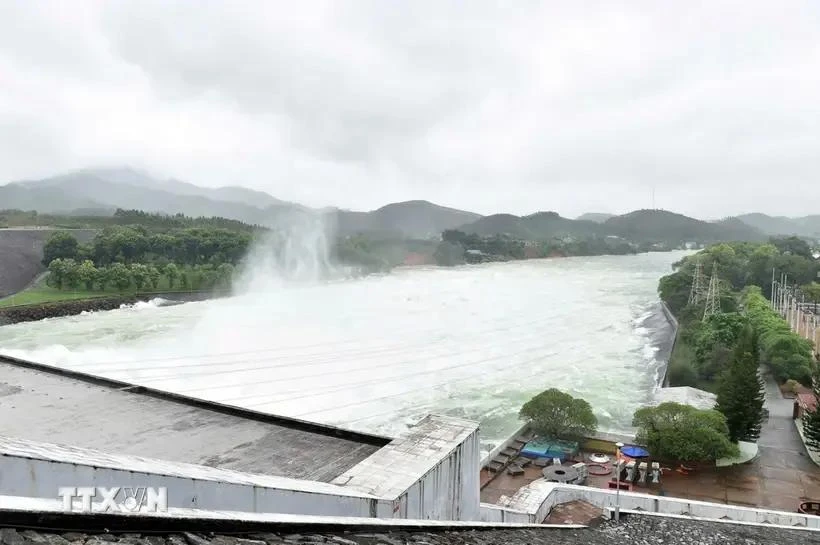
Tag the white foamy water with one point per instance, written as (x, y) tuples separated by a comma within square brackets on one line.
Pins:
[(380, 352)]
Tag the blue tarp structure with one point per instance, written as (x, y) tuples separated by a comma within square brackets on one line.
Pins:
[(635, 452), (550, 448)]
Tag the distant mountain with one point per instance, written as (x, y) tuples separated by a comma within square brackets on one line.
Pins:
[(105, 190), (641, 226), (597, 217), (668, 227), (807, 226), (413, 219), (102, 191), (538, 226)]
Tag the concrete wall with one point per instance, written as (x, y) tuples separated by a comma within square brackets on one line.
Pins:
[(38, 478), (675, 328), (450, 491), (541, 497), (499, 514)]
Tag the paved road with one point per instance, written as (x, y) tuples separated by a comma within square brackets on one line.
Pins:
[(780, 444)]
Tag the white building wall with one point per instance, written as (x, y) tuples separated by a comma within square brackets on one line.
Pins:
[(42, 478), (450, 491)]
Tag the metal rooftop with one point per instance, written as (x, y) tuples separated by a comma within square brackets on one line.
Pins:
[(394, 468), (42, 403)]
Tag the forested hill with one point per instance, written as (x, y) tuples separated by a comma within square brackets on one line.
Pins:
[(668, 227), (643, 227), (806, 226), (100, 192)]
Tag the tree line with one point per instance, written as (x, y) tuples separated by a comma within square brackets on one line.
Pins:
[(133, 256), (135, 244), (121, 217), (457, 247), (70, 274), (672, 432)]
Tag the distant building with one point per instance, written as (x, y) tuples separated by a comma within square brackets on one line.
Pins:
[(804, 402)]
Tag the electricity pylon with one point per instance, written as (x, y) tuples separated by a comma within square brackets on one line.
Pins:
[(696, 293), (713, 295)]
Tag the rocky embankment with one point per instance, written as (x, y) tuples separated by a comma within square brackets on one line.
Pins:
[(21, 253), (32, 313), (634, 529)]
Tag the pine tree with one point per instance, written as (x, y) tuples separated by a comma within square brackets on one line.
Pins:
[(741, 391), (811, 419)]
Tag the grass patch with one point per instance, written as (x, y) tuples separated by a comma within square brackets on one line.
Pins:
[(38, 295), (42, 293)]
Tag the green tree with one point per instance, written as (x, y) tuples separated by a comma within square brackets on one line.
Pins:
[(57, 269), (225, 274), (139, 273), (60, 245), (207, 276), (119, 276), (741, 393), (556, 414), (154, 276), (449, 254), (88, 274), (812, 291), (184, 281), (677, 432), (172, 272), (811, 419), (71, 276), (792, 246)]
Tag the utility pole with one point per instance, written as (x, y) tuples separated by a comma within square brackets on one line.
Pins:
[(713, 295)]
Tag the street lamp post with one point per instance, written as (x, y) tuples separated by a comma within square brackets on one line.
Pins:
[(618, 446)]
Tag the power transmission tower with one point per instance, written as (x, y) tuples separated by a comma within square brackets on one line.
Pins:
[(713, 295), (696, 293)]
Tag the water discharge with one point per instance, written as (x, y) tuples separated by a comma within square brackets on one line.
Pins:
[(379, 352)]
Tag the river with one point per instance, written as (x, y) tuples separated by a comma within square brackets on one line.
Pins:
[(378, 353)]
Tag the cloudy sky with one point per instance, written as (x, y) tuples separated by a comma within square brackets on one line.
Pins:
[(489, 106)]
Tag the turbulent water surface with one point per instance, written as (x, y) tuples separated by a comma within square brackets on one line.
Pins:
[(378, 353)]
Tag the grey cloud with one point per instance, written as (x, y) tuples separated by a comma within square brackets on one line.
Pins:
[(482, 105)]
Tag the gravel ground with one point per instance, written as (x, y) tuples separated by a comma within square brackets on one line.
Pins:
[(634, 530), (20, 253)]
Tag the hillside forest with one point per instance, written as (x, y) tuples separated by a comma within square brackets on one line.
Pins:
[(745, 273)]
